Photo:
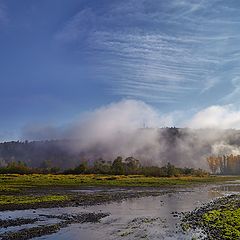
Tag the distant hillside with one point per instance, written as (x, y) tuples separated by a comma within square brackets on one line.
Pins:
[(181, 147)]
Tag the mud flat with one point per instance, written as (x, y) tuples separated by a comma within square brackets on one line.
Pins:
[(114, 213), (110, 213), (41, 230), (67, 197), (27, 221)]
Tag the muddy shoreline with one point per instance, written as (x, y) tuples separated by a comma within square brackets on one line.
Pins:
[(28, 233), (77, 197), (145, 211)]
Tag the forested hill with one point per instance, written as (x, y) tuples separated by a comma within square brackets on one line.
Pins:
[(181, 147), (36, 153)]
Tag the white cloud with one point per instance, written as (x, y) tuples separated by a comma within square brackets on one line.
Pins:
[(107, 121), (224, 117), (222, 148), (117, 130), (123, 116)]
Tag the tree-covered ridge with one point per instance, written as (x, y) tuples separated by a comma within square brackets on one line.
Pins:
[(180, 147), (68, 152), (36, 153)]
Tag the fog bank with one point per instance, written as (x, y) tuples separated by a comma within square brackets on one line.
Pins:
[(134, 128)]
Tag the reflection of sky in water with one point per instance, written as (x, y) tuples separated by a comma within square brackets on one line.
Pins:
[(151, 217), (229, 189)]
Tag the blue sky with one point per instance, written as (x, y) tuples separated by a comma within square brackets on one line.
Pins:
[(61, 58)]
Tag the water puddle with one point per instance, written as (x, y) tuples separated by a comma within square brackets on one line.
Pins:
[(228, 189), (153, 218)]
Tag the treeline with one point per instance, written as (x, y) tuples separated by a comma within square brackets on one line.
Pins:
[(180, 145), (132, 166), (119, 166), (226, 164), (22, 168)]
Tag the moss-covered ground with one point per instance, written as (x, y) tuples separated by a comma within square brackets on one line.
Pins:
[(10, 199), (219, 219), (227, 222)]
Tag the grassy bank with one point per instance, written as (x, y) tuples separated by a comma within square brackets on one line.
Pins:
[(52, 189), (16, 182), (10, 199)]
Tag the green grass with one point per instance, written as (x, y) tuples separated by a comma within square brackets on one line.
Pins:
[(8, 189), (14, 187), (10, 199), (15, 182)]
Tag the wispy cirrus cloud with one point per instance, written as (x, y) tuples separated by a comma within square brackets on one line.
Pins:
[(234, 95), (159, 51), (3, 13), (75, 28)]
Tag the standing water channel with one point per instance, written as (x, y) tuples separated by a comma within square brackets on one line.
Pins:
[(152, 217)]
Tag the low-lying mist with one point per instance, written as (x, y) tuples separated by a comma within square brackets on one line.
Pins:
[(133, 128)]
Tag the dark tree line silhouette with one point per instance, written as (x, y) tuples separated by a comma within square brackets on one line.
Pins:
[(119, 166)]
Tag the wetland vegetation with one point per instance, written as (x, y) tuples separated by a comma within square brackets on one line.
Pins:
[(38, 191), (26, 190), (30, 189), (219, 219)]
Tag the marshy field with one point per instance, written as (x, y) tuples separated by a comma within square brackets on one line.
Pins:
[(120, 120), (93, 206)]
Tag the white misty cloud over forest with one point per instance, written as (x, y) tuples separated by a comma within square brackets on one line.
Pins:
[(131, 128), (224, 117), (129, 115)]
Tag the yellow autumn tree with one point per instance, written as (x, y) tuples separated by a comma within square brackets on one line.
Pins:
[(213, 163)]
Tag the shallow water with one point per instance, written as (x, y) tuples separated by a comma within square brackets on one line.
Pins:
[(155, 217), (229, 189)]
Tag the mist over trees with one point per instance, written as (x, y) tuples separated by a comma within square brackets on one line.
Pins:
[(38, 153), (152, 147)]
